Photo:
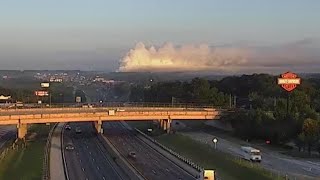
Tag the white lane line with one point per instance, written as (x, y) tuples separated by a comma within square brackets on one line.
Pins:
[(98, 168)]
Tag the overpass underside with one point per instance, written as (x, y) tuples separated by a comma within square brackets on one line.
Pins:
[(164, 117)]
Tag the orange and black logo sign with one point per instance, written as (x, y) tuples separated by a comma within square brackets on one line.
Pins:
[(289, 81)]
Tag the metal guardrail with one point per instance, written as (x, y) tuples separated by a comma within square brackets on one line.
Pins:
[(177, 155), (46, 159), (66, 173)]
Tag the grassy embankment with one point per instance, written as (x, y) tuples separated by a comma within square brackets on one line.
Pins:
[(25, 161)]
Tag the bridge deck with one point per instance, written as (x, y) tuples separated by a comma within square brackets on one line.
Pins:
[(45, 115)]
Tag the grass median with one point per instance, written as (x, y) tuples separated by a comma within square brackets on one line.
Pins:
[(226, 166), (25, 161)]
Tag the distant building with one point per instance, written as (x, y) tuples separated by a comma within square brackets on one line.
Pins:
[(5, 99), (98, 79)]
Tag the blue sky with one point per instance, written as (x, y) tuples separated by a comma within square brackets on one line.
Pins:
[(66, 33)]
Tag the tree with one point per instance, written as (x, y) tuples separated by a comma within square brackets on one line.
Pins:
[(310, 130), (300, 141)]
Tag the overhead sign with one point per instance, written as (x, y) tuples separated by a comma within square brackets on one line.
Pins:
[(45, 85), (41, 93), (289, 81)]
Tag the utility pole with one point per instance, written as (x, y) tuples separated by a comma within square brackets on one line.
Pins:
[(235, 101), (288, 99), (230, 101)]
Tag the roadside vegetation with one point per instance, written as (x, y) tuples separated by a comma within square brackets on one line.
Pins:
[(226, 166), (262, 112), (26, 160)]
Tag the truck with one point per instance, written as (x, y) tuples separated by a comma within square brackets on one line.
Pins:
[(251, 154)]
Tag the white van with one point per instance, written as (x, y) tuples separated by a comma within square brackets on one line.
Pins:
[(251, 154)]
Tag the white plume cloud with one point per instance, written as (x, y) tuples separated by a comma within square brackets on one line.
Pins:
[(184, 58), (299, 56)]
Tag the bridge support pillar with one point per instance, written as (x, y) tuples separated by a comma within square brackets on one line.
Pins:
[(98, 126), (168, 125), (161, 123), (22, 130)]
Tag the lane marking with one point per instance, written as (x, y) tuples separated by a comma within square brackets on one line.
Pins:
[(82, 169)]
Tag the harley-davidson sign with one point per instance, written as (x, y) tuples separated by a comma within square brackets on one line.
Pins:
[(289, 81)]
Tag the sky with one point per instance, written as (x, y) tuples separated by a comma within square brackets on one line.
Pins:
[(106, 35)]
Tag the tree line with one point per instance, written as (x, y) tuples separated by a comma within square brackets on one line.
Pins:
[(266, 116)]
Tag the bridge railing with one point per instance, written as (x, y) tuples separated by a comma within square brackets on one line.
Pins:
[(114, 105)]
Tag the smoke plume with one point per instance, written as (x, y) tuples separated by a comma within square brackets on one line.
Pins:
[(302, 56), (183, 58)]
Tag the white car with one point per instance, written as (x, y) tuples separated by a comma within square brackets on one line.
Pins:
[(69, 147)]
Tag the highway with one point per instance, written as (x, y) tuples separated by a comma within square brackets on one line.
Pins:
[(89, 159), (150, 163), (7, 133)]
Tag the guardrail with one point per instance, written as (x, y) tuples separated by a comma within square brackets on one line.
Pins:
[(46, 159), (177, 155), (66, 174)]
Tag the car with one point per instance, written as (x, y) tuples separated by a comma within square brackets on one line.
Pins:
[(68, 127), (78, 130), (132, 154), (69, 147)]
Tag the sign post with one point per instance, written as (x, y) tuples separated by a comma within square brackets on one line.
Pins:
[(289, 82), (215, 140)]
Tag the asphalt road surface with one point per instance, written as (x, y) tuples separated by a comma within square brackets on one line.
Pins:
[(151, 164), (89, 160), (7, 132)]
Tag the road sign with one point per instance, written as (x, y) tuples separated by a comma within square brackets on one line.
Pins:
[(45, 85), (289, 81), (215, 140), (41, 93)]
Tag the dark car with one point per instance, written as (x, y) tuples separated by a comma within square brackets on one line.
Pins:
[(78, 130)]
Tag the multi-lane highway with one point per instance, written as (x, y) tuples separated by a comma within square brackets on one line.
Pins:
[(150, 163), (89, 159)]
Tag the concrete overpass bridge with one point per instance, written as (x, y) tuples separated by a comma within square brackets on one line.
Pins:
[(165, 115)]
